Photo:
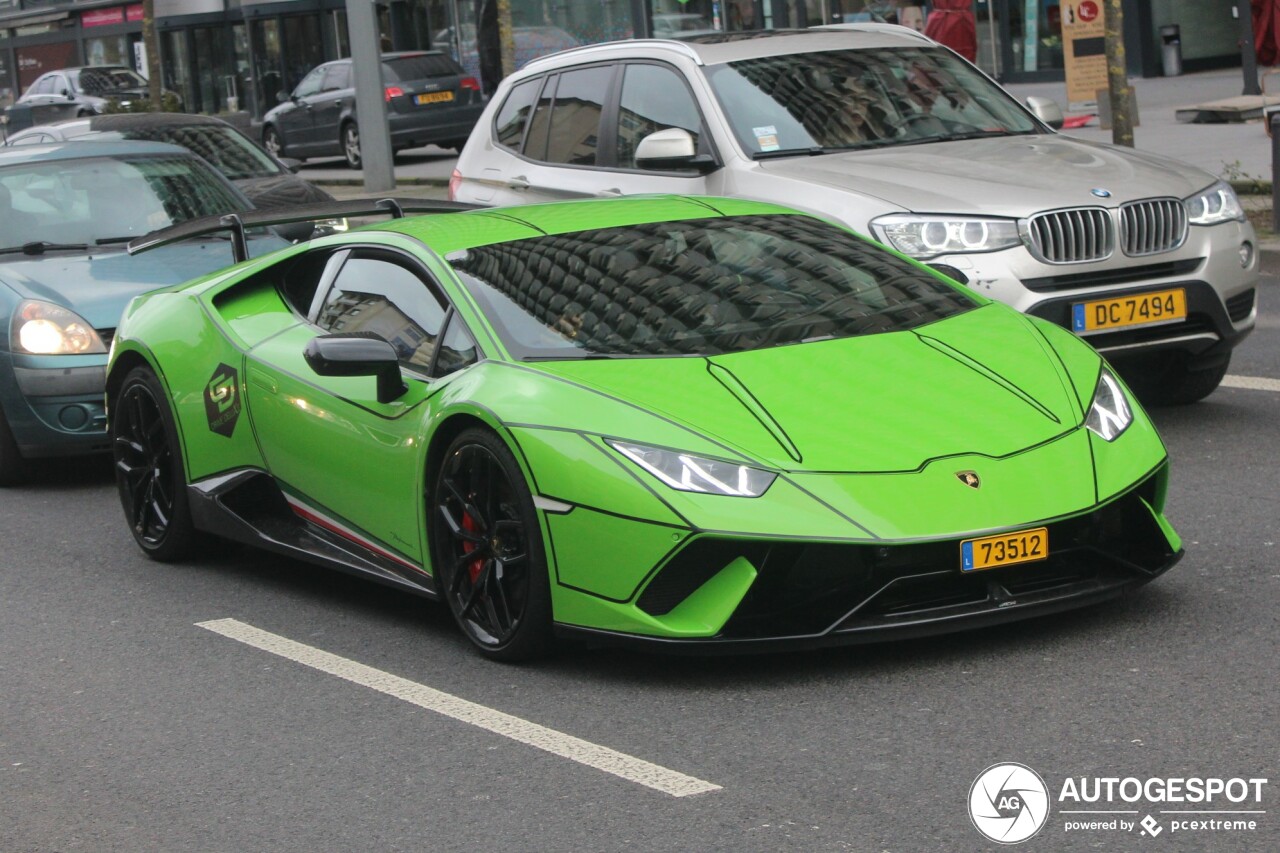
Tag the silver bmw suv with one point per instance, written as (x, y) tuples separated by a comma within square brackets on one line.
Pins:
[(878, 127)]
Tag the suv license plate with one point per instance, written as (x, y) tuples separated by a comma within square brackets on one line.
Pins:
[(434, 97), (989, 552), (1140, 309)]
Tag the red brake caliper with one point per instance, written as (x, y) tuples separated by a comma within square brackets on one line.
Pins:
[(474, 567)]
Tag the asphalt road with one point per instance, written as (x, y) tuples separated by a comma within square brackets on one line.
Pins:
[(126, 727)]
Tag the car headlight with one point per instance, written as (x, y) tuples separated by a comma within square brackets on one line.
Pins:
[(42, 328), (688, 473), (926, 236), (1216, 204), (1109, 413)]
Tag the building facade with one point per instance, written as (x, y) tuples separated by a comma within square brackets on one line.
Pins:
[(243, 55)]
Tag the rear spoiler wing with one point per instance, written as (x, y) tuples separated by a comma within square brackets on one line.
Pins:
[(236, 223)]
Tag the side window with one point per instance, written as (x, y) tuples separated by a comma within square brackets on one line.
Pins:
[(457, 350), (60, 85), (654, 97), (32, 139), (374, 293), (575, 119), (310, 84), (43, 86), (535, 147), (337, 76), (512, 119)]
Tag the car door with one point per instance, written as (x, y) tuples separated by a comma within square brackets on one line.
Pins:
[(296, 122), (328, 105), (339, 454), (585, 128)]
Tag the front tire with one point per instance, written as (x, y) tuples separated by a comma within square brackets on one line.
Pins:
[(150, 476), (13, 468), (487, 549), (351, 144)]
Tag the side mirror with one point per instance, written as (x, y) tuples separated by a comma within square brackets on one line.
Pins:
[(283, 96), (70, 96), (670, 150), (357, 355), (1047, 110)]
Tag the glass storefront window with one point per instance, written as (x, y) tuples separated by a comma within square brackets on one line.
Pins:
[(303, 47), (1035, 34), (112, 50), (215, 79), (266, 63), (175, 65)]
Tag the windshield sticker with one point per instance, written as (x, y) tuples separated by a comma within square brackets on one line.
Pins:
[(766, 137)]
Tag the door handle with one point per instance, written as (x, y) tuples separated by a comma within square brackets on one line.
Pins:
[(519, 182), (612, 192)]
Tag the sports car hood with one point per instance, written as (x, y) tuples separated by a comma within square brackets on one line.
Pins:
[(982, 382), (1012, 176), (99, 286)]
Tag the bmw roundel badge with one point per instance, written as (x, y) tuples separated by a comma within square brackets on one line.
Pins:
[(1100, 192)]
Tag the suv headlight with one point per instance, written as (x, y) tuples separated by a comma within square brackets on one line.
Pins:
[(687, 473), (1109, 413), (922, 236), (42, 328), (1216, 204)]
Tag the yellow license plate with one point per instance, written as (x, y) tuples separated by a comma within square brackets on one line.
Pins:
[(434, 97), (1025, 546), (1139, 309)]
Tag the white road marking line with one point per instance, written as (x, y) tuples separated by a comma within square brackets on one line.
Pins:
[(557, 743), (1252, 383)]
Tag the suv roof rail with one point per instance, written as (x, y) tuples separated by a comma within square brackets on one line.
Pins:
[(236, 223), (876, 27), (669, 44)]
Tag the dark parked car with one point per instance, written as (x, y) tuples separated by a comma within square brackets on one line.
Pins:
[(430, 99), (268, 182), (84, 91)]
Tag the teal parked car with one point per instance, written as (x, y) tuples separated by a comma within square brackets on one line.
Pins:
[(66, 213)]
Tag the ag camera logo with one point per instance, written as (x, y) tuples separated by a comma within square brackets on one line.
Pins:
[(1008, 803)]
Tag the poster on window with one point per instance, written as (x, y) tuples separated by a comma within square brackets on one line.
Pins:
[(1084, 51), (36, 59)]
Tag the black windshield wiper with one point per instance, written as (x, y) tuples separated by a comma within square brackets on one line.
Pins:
[(107, 241), (39, 247), (811, 151)]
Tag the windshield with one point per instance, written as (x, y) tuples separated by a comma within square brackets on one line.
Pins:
[(841, 99), (95, 81), (697, 287), (112, 199)]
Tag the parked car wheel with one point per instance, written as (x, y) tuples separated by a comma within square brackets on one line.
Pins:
[(1180, 384), (12, 468), (149, 471), (351, 144), (272, 142), (490, 565)]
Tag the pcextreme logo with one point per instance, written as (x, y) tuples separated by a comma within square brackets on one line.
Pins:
[(222, 400), (1010, 803)]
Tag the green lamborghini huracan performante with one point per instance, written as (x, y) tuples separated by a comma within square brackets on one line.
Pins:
[(691, 423)]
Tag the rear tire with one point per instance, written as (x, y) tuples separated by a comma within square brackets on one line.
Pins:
[(13, 468), (487, 552), (351, 144), (150, 476)]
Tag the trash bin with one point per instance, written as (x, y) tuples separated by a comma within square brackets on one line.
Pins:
[(1171, 49)]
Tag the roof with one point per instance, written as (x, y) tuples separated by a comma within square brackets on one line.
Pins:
[(717, 48), (79, 150), (451, 232)]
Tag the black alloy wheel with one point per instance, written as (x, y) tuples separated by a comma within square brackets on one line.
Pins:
[(149, 472), (489, 560)]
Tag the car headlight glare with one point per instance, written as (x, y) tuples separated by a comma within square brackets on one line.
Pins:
[(928, 236), (42, 328), (1110, 413), (687, 473), (1216, 204)]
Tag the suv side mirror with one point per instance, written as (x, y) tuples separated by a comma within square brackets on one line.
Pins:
[(1047, 110), (357, 355), (670, 150)]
